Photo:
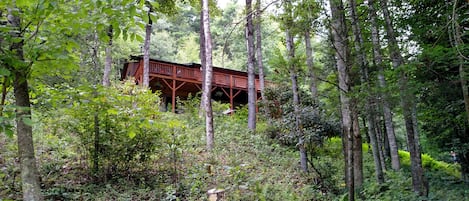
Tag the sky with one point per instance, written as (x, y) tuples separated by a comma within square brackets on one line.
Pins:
[(222, 3)]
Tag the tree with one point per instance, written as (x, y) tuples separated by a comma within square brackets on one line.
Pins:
[(459, 44), (108, 62), (167, 7), (206, 94), (362, 63), (146, 45), (310, 63), (439, 72), (339, 37), (251, 60), (309, 13), (419, 183), (260, 63), (370, 110), (378, 61), (19, 69), (202, 58), (292, 68)]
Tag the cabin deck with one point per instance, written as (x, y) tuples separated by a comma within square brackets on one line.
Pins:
[(180, 80)]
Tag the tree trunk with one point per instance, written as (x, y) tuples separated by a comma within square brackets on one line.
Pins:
[(294, 80), (310, 63), (370, 116), (260, 63), (339, 36), (202, 60), (418, 181), (357, 149), (456, 29), (463, 76), (380, 143), (296, 103), (146, 52), (378, 61), (208, 76), (96, 144), (465, 88), (251, 76), (362, 62), (108, 62), (29, 173)]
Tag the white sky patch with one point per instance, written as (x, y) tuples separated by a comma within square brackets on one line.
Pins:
[(222, 3)]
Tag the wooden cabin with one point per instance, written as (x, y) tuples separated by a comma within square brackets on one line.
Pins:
[(180, 80)]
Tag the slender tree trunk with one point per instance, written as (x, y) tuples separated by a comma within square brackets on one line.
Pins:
[(457, 42), (5, 86), (294, 80), (208, 76), (96, 127), (96, 144), (29, 173), (296, 102), (357, 148), (370, 116), (251, 60), (339, 35), (418, 181), (202, 60), (146, 52), (363, 63), (378, 61), (108, 63), (260, 63), (380, 143), (310, 63), (465, 88)]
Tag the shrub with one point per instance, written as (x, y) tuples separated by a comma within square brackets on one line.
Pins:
[(119, 126)]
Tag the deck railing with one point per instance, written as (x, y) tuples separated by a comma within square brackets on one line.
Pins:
[(194, 74)]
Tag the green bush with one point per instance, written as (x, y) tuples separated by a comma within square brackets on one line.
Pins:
[(431, 164), (119, 126)]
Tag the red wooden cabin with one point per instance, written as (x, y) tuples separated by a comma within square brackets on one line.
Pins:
[(180, 80)]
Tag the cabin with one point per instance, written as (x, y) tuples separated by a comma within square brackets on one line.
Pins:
[(180, 80)]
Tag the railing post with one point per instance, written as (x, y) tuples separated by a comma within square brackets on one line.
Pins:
[(173, 89), (231, 93)]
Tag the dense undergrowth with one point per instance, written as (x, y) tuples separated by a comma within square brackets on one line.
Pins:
[(247, 165)]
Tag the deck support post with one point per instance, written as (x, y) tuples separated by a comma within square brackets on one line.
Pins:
[(174, 87), (173, 97)]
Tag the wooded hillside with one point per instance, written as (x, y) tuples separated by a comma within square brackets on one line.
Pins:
[(366, 100)]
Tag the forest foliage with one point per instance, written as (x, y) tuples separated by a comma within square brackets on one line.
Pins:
[(95, 142)]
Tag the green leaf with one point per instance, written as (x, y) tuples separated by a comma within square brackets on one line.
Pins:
[(145, 18), (28, 121), (125, 36), (174, 124), (112, 111), (132, 134), (100, 27), (9, 132), (4, 72), (139, 38), (155, 4), (117, 32), (153, 17), (23, 3)]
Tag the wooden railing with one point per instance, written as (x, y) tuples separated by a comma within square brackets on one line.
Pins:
[(194, 74)]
